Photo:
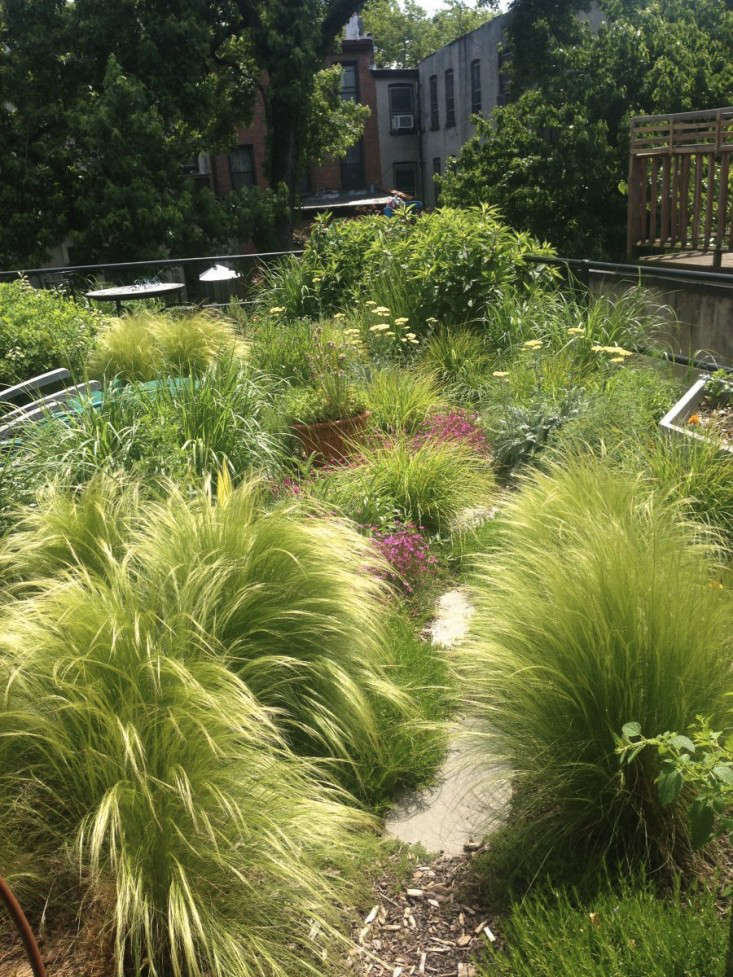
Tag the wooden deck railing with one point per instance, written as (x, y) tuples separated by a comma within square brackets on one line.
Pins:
[(679, 182)]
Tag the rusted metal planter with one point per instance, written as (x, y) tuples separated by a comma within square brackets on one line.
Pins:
[(23, 926), (331, 441), (674, 423)]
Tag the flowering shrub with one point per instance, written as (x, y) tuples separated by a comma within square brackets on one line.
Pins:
[(457, 425), (406, 550)]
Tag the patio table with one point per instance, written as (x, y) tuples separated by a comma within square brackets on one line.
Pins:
[(132, 293)]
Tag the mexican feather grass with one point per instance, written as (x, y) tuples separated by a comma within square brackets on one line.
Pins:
[(596, 609), (140, 772)]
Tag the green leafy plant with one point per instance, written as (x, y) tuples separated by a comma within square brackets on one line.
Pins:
[(460, 360), (719, 387), (41, 330), (596, 606), (519, 434)]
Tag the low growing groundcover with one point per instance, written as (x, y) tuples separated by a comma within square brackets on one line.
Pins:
[(212, 671)]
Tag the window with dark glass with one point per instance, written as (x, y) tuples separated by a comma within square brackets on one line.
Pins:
[(402, 108), (434, 117), (405, 177), (349, 82), (242, 167), (450, 101), (352, 168), (475, 86)]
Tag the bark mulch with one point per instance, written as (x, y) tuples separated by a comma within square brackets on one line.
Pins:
[(431, 926)]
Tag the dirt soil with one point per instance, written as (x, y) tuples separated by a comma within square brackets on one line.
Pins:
[(432, 926), (718, 419)]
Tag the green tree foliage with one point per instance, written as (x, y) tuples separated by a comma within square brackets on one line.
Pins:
[(404, 33), (290, 39), (335, 123), (555, 159)]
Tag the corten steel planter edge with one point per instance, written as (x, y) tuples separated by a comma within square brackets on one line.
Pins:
[(331, 440), (23, 927)]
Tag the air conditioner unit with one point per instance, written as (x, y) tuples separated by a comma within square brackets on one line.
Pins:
[(403, 122)]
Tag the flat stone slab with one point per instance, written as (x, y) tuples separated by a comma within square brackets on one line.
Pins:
[(471, 794), (466, 803)]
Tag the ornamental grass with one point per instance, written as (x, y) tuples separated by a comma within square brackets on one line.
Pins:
[(140, 773), (595, 608)]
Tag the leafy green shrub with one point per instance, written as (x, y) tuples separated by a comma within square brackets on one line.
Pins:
[(400, 400), (448, 264), (145, 346), (629, 931), (429, 485), (41, 330), (140, 773), (283, 349), (595, 608)]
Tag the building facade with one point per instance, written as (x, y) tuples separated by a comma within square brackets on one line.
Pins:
[(420, 118)]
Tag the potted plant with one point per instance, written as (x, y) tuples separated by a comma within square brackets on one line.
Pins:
[(329, 414)]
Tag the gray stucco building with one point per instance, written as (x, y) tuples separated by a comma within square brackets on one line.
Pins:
[(425, 114)]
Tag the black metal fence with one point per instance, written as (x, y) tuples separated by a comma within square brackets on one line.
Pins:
[(79, 279)]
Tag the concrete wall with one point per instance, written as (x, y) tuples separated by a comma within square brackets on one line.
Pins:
[(700, 317), (396, 147), (442, 143)]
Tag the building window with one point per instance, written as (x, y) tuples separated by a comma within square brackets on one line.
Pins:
[(434, 117), (352, 168), (450, 102), (402, 108), (349, 82), (405, 177), (475, 87), (242, 167)]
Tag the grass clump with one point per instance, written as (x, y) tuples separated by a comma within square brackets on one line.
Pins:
[(400, 400), (183, 428), (141, 773), (595, 610), (144, 346), (626, 931), (428, 484)]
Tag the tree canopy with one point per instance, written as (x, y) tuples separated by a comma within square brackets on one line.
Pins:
[(404, 33), (105, 103), (555, 159)]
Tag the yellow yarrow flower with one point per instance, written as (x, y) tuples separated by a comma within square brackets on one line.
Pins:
[(276, 309), (576, 331), (500, 373), (401, 321), (380, 327), (533, 344), (381, 310)]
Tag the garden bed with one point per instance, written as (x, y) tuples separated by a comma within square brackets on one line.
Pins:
[(695, 416)]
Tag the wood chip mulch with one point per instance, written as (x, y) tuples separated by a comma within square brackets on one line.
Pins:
[(432, 926)]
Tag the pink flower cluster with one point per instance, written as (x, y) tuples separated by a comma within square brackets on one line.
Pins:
[(406, 550), (457, 425)]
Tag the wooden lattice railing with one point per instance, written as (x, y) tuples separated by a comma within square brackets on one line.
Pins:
[(679, 182)]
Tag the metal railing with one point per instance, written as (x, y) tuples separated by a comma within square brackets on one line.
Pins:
[(78, 279)]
